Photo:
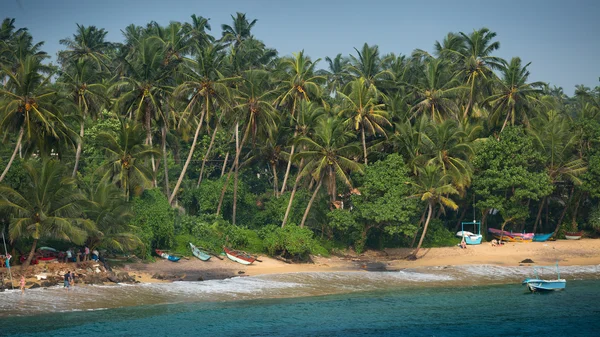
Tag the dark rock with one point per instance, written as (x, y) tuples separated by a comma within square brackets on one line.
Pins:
[(47, 284), (35, 285), (241, 272), (200, 278), (112, 278), (527, 261)]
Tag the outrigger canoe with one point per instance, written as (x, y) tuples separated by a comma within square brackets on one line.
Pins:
[(239, 256), (199, 253), (167, 256), (510, 236)]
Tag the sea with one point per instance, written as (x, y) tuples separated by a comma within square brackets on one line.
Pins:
[(481, 300)]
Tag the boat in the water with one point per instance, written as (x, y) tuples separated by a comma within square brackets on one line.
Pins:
[(541, 237), (510, 236), (239, 256), (167, 256), (469, 237), (202, 255), (538, 284)]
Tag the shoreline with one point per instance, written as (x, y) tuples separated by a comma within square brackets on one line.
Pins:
[(565, 252)]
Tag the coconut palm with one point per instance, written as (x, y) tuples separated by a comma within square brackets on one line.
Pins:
[(205, 87), (336, 73), (299, 83), (48, 207), (196, 31), (29, 105), (83, 86), (363, 112), (328, 154), (111, 214), (368, 66), (87, 43), (515, 96), (433, 187), (239, 31), (126, 159), (436, 91)]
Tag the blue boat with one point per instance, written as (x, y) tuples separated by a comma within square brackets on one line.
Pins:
[(538, 284), (469, 237), (167, 256), (541, 237), (202, 255)]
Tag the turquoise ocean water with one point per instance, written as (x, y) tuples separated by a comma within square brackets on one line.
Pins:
[(454, 301)]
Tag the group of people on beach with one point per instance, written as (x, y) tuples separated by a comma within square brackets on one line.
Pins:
[(73, 255)]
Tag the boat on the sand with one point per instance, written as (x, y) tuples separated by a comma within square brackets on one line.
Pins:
[(511, 236), (239, 256), (202, 255), (167, 256)]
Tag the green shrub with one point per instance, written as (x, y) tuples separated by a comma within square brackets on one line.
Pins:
[(439, 236), (155, 219), (291, 242)]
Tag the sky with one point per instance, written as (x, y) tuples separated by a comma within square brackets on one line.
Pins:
[(559, 38)]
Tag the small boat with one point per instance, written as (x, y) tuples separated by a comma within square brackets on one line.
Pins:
[(239, 256), (469, 237), (538, 284), (541, 237), (573, 235), (510, 236), (167, 256), (198, 253)]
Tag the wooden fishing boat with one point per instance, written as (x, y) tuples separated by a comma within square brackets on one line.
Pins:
[(542, 237), (573, 235), (167, 256), (469, 237), (538, 284), (239, 256), (202, 255), (510, 236)]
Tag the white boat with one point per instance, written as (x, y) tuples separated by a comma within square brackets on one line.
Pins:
[(538, 284)]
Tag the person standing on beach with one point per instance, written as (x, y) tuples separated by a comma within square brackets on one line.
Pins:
[(69, 255), (22, 284), (86, 253)]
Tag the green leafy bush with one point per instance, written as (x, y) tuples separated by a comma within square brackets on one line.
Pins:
[(291, 242), (155, 219), (439, 236)]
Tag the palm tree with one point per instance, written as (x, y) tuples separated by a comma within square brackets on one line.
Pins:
[(111, 214), (472, 54), (363, 112), (239, 31), (29, 105), (87, 43), (309, 115), (450, 147), (299, 83), (126, 164), (337, 76), (436, 91), (433, 187), (196, 31), (206, 87), (49, 207), (368, 66), (84, 88), (329, 157), (515, 96)]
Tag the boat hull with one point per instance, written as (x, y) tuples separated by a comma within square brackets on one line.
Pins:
[(167, 256), (510, 236), (199, 254), (238, 256), (541, 237), (573, 236), (538, 285), (473, 239)]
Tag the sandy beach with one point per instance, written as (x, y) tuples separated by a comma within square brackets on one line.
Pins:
[(565, 252)]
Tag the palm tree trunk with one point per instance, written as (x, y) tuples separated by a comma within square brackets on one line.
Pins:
[(189, 158), (224, 164), (289, 206), (79, 147), (470, 100), (539, 214), (14, 154), (235, 176), (364, 142), (275, 181), (233, 166), (412, 244), (312, 199), (210, 146), (504, 125), (562, 215), (163, 130), (414, 255), (149, 142), (30, 256), (289, 165)]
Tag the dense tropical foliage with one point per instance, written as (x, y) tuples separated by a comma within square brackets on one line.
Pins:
[(175, 135)]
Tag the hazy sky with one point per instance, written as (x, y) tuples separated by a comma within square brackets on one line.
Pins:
[(560, 38)]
